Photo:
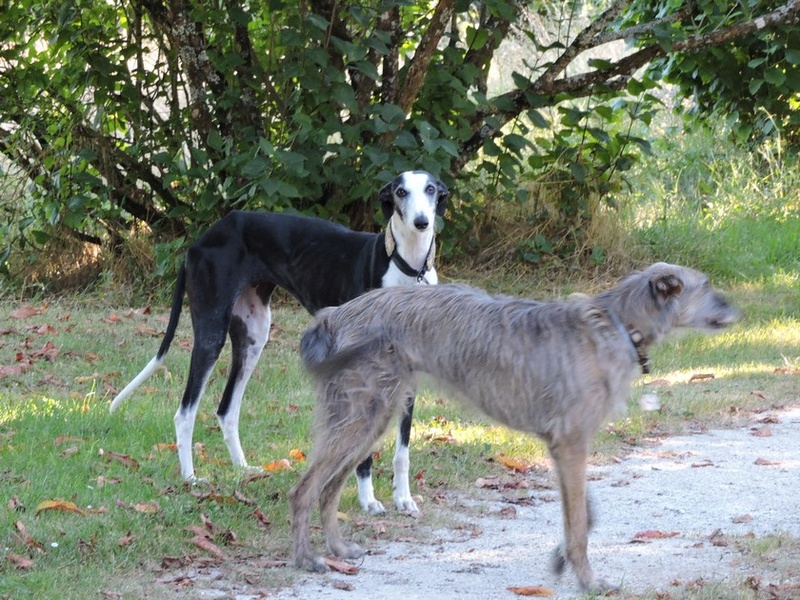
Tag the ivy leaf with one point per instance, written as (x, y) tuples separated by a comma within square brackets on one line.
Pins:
[(775, 76)]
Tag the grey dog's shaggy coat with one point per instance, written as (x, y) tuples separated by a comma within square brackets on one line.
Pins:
[(555, 369)]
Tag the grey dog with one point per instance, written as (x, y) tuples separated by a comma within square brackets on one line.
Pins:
[(555, 369)]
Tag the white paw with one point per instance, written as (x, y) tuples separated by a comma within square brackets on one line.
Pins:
[(194, 480), (374, 508), (406, 504)]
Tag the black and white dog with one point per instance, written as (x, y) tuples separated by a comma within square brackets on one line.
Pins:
[(230, 273)]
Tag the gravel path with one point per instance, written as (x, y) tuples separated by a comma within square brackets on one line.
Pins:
[(684, 498)]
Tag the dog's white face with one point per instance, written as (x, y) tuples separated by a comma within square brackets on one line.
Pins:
[(416, 197)]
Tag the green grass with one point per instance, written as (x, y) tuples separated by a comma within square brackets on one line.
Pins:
[(57, 440), (728, 211)]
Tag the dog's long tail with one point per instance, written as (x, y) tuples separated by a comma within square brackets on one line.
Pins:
[(320, 359), (158, 359)]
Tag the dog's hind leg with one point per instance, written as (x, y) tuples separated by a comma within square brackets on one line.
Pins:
[(329, 510), (570, 457), (401, 493), (249, 332), (340, 442), (302, 498), (208, 342)]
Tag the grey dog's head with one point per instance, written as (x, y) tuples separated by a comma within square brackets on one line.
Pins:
[(416, 197), (666, 297), (699, 306)]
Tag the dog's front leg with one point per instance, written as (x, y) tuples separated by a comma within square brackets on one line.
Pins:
[(570, 457), (401, 489), (184, 428), (366, 492)]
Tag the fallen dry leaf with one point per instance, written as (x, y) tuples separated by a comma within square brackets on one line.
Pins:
[(20, 562), (126, 540), (243, 499), (206, 544), (26, 538), (174, 562), (763, 462), (511, 463), (769, 420), (762, 432), (703, 463), (150, 507), (214, 497), (787, 371), (26, 312), (701, 377), (69, 452), (296, 454), (261, 519), (165, 446), (654, 534), (490, 483), (509, 512), (48, 352), (212, 527), (13, 370), (103, 481), (340, 566), (338, 584), (144, 330), (64, 505), (278, 465), (125, 459), (252, 475), (15, 505), (531, 590), (742, 519)]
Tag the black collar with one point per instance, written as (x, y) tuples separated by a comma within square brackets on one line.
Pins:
[(637, 341), (401, 263)]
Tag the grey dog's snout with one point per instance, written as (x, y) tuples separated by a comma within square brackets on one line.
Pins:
[(421, 222)]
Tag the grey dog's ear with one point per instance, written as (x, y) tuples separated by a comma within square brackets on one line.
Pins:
[(666, 285), (441, 199), (387, 199)]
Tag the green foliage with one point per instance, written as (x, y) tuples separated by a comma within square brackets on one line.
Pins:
[(124, 116), (754, 82)]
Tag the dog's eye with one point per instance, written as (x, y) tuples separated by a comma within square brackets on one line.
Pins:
[(430, 190), (401, 192)]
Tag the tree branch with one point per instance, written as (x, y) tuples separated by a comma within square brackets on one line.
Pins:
[(638, 31), (418, 68), (615, 77), (389, 22), (583, 41)]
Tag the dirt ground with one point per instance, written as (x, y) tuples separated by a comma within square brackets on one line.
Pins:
[(705, 510)]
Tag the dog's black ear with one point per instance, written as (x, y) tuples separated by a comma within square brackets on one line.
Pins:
[(441, 199), (387, 200), (665, 286)]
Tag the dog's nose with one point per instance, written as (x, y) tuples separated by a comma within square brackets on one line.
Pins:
[(421, 222)]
